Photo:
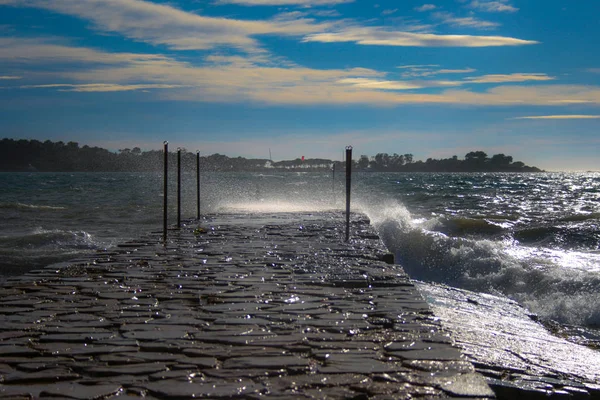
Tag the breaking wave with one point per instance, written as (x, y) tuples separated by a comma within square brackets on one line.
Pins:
[(558, 284)]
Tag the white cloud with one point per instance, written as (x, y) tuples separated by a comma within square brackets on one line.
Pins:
[(418, 66), (469, 22), (389, 12), (9, 77), (39, 50), (100, 87), (382, 37), (567, 116), (160, 24), (326, 13), (305, 3), (252, 79), (571, 101), (493, 6), (414, 71), (379, 84), (456, 71), (425, 7), (516, 77), (438, 83)]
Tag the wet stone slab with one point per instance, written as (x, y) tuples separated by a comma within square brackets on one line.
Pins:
[(260, 305)]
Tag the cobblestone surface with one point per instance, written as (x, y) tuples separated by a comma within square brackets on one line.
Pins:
[(249, 306)]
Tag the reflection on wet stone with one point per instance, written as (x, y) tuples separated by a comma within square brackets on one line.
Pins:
[(255, 307)]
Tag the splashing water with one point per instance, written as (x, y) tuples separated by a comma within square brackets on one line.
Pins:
[(562, 285)]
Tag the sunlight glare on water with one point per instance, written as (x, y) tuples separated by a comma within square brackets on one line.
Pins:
[(274, 206)]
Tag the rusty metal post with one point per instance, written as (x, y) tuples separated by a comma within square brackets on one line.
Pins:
[(178, 188), (348, 187), (165, 188), (198, 184)]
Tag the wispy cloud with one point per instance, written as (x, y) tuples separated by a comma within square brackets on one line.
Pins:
[(43, 50), (379, 84), (493, 6), (9, 77), (161, 24), (567, 116), (425, 7), (254, 79), (418, 66), (414, 71), (468, 22), (100, 87), (305, 3), (385, 37), (389, 12), (515, 77), (456, 71), (326, 13)]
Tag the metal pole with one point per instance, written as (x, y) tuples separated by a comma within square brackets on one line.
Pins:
[(333, 182), (198, 184), (165, 188), (348, 186), (178, 188)]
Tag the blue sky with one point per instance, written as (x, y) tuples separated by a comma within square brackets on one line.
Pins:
[(308, 77)]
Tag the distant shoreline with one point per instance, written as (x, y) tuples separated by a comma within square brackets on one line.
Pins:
[(36, 156)]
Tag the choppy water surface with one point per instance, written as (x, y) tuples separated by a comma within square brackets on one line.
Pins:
[(531, 237)]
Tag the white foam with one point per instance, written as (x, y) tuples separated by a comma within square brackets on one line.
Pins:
[(560, 284)]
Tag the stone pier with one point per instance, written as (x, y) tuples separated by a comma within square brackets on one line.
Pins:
[(234, 306)]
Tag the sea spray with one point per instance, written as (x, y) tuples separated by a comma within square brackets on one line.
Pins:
[(503, 266)]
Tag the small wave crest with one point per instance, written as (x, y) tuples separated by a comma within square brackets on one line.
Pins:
[(456, 226), (41, 247), (22, 206), (56, 238), (581, 217), (546, 281), (572, 235)]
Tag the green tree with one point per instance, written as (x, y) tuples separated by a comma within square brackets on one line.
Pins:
[(363, 162)]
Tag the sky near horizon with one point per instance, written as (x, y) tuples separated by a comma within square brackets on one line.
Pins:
[(308, 77)]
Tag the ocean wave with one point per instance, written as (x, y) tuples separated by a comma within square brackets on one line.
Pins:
[(581, 217), (55, 238), (556, 284), (456, 226), (41, 247), (572, 235), (22, 206)]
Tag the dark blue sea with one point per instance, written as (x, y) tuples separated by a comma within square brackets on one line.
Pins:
[(533, 238)]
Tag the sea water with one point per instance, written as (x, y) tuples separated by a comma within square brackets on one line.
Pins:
[(533, 238)]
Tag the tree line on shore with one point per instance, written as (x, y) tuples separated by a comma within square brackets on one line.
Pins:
[(474, 161), (34, 155)]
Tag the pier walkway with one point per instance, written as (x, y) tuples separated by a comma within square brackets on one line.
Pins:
[(250, 306)]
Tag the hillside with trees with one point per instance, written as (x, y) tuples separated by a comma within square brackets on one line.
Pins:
[(474, 161), (34, 155)]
